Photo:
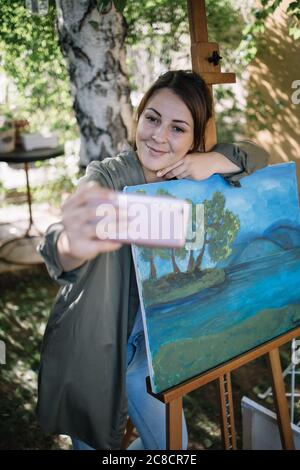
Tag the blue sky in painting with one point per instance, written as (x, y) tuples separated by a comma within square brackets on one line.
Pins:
[(267, 197)]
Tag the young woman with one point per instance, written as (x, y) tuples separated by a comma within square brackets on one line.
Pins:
[(93, 363)]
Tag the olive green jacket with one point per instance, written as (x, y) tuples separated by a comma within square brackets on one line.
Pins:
[(81, 388)]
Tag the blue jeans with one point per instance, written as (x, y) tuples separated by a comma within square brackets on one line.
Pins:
[(146, 412)]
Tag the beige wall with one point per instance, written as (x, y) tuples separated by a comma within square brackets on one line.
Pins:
[(272, 73)]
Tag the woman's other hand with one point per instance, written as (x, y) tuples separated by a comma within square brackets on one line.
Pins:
[(199, 166)]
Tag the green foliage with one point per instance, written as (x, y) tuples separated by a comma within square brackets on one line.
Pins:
[(253, 32), (104, 5), (6, 126), (293, 10), (30, 53), (95, 25), (30, 56), (222, 227), (259, 111), (166, 21), (120, 5), (162, 27)]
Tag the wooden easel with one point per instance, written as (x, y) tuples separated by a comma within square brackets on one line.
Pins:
[(205, 58), (205, 61), (173, 397)]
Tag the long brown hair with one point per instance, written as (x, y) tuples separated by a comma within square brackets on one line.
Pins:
[(193, 91)]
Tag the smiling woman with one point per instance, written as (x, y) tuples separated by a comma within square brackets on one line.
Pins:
[(170, 130), (94, 361), (171, 121), (191, 90), (162, 139)]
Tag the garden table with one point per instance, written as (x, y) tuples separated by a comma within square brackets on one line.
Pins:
[(20, 155)]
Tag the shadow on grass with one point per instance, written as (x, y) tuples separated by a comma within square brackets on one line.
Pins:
[(25, 302)]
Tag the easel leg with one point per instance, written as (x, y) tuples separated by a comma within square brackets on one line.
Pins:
[(227, 414), (174, 424), (280, 401), (127, 434)]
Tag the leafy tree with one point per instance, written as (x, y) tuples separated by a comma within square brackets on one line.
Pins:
[(221, 228), (172, 253), (158, 35), (166, 21), (91, 36), (30, 56)]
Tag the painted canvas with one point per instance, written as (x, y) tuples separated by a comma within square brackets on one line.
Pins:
[(235, 284)]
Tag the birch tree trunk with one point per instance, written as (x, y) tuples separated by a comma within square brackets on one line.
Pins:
[(93, 44)]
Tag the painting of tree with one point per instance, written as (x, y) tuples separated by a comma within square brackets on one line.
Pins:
[(239, 280)]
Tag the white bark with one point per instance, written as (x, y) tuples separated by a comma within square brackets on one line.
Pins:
[(96, 61)]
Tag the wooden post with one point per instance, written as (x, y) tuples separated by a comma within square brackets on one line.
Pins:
[(127, 434), (205, 59), (283, 417), (174, 424)]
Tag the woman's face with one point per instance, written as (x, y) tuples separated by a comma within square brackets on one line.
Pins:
[(165, 132)]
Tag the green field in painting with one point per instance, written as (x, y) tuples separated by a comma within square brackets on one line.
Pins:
[(217, 348)]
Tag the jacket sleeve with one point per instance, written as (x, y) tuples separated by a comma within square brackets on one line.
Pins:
[(48, 251), (48, 246), (245, 154)]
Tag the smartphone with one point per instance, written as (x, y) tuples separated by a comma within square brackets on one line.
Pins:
[(157, 221)]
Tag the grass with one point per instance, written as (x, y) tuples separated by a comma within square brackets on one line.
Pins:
[(25, 302)]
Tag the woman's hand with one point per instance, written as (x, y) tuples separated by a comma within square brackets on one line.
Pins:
[(199, 166), (80, 240)]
